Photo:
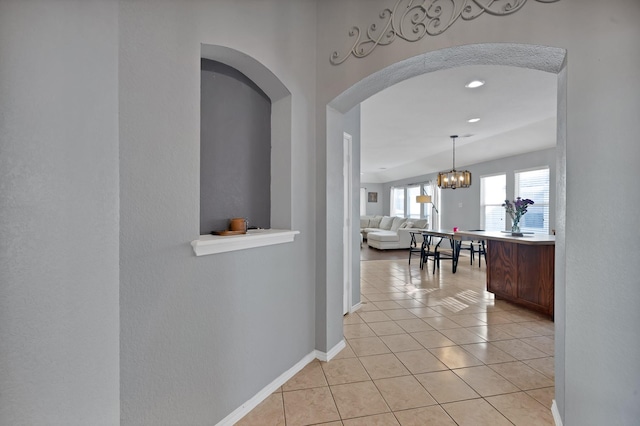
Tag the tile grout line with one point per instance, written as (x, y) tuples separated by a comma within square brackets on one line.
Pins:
[(484, 363)]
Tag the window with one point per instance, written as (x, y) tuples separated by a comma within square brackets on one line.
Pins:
[(534, 184), (428, 209), (403, 202), (493, 192), (397, 202), (363, 201), (413, 207)]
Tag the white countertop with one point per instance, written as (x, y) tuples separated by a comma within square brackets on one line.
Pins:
[(530, 239)]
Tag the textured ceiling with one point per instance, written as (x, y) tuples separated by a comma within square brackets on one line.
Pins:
[(406, 128)]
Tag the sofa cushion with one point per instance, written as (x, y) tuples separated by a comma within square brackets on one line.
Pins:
[(397, 221), (407, 224), (420, 223), (386, 222), (384, 236), (374, 222), (364, 222)]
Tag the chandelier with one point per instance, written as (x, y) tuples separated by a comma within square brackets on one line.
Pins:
[(454, 179)]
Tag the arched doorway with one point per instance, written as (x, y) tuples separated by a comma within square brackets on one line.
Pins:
[(542, 58)]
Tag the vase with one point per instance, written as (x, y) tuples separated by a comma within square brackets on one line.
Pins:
[(515, 228)]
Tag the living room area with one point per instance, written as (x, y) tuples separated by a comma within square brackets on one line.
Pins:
[(388, 224), (498, 127)]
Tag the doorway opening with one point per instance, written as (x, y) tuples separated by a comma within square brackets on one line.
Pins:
[(541, 58)]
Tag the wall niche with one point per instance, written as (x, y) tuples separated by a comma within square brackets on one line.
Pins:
[(235, 149)]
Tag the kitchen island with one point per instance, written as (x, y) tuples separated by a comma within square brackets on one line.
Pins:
[(519, 269)]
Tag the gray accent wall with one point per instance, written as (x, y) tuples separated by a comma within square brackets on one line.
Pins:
[(235, 149), (59, 326)]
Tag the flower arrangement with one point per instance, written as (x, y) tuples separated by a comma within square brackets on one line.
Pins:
[(516, 210)]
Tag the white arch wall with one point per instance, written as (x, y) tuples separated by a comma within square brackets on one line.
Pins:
[(601, 101)]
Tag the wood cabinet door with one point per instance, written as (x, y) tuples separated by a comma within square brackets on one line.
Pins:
[(502, 268), (535, 276)]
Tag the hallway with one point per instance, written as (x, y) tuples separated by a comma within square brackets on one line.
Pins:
[(425, 350)]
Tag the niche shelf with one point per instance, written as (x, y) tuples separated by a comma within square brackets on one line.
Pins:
[(213, 244)]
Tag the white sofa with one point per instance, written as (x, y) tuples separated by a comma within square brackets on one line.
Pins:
[(386, 232)]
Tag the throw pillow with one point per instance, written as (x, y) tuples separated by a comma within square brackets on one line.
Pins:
[(374, 222), (397, 221), (386, 223), (420, 224)]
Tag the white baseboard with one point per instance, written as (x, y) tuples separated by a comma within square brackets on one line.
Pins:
[(556, 414), (245, 408), (355, 307), (327, 356)]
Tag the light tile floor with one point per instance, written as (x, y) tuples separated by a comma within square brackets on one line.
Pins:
[(425, 349)]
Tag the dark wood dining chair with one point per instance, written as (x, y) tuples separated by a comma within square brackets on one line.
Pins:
[(475, 246), (414, 248), (428, 250), (480, 248), (442, 253)]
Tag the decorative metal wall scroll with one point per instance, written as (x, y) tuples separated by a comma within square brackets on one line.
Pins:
[(411, 20)]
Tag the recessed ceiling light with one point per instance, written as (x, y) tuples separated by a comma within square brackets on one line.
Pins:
[(473, 120), (473, 84)]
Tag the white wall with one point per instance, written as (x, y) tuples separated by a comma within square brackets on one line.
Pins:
[(598, 377), (59, 328)]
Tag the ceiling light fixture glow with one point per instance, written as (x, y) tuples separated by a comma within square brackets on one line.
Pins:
[(473, 120), (473, 84)]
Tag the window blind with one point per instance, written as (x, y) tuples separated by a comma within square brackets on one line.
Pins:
[(534, 184), (493, 192)]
